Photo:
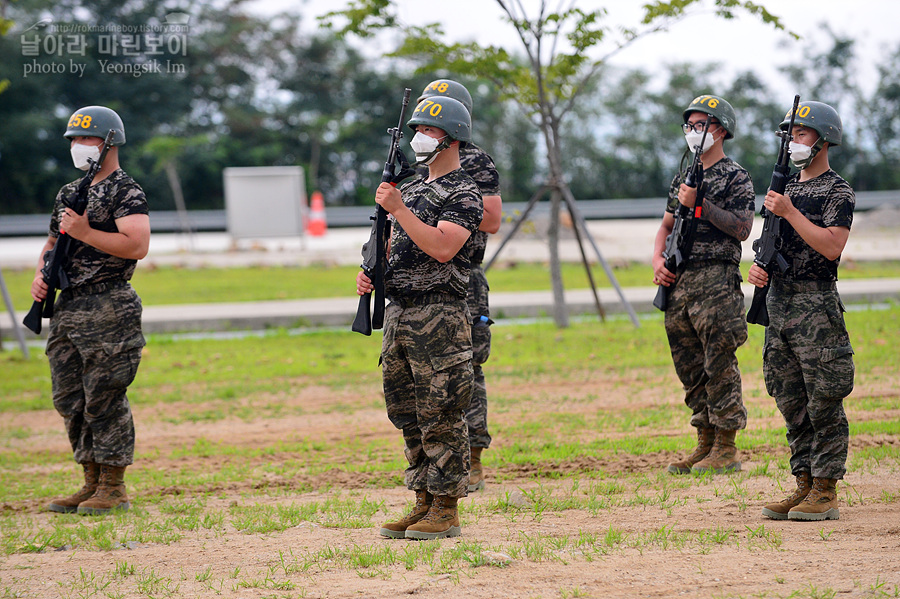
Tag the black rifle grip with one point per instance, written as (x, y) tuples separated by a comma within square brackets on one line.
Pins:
[(661, 301), (363, 321), (758, 314), (33, 319)]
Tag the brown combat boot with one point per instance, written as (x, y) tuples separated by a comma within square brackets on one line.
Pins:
[(705, 438), (722, 458), (779, 511), (476, 471), (110, 494), (820, 504), (397, 530), (441, 521), (69, 505)]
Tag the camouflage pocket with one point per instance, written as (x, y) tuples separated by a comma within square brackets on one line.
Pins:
[(452, 381), (835, 372), (439, 363)]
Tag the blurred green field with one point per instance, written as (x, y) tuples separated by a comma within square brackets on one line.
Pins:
[(170, 285)]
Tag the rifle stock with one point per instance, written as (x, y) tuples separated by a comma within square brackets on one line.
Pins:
[(768, 246), (53, 270), (374, 251)]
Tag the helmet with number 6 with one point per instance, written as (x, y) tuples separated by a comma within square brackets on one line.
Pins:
[(444, 113), (449, 88), (716, 107), (96, 121), (820, 117)]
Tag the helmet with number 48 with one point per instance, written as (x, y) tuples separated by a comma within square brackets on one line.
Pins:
[(96, 121), (450, 89)]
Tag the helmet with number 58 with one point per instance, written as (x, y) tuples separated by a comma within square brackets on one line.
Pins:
[(96, 121)]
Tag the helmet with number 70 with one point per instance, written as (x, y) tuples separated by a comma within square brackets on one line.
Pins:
[(718, 108), (449, 88), (96, 121), (818, 116), (444, 113)]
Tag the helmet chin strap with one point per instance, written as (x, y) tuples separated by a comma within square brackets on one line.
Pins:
[(443, 145)]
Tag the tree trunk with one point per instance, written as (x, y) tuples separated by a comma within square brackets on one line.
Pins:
[(558, 186), (560, 311)]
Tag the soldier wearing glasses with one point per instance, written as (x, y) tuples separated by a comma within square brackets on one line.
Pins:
[(705, 321)]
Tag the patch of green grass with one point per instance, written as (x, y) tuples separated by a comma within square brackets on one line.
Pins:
[(171, 285)]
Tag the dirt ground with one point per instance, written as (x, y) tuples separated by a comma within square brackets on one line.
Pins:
[(856, 556)]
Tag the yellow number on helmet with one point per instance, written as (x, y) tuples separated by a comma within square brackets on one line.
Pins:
[(86, 122), (75, 121)]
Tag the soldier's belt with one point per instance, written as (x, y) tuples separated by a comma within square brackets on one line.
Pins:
[(425, 299), (803, 286), (94, 288)]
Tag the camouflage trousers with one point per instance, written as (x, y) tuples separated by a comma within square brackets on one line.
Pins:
[(808, 367), (426, 361), (705, 324), (477, 299), (94, 348)]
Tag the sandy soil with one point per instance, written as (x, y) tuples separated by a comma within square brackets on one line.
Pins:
[(856, 556)]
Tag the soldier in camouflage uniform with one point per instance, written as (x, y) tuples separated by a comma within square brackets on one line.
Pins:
[(807, 357), (95, 340), (426, 352), (704, 320), (479, 165)]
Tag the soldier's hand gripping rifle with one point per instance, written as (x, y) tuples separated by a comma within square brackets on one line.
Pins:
[(768, 246), (680, 240), (374, 251), (53, 271)]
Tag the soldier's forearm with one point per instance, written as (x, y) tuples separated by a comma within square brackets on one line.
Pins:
[(735, 224)]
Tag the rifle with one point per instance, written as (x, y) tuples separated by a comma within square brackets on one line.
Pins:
[(53, 271), (374, 251), (680, 240), (768, 246)]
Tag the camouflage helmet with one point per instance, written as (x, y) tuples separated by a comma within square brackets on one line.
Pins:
[(717, 107), (820, 117), (96, 121), (449, 88), (444, 113)]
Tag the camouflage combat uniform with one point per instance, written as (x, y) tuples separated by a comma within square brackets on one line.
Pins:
[(427, 348), (705, 321), (807, 357), (479, 165), (95, 339)]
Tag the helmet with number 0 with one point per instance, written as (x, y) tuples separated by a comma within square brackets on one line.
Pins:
[(820, 117), (449, 88), (96, 121), (716, 107), (444, 113)]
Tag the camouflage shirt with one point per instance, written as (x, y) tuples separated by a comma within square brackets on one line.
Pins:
[(827, 201), (115, 197), (480, 166), (453, 198), (728, 187)]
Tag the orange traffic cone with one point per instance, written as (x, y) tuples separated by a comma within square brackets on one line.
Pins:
[(316, 225)]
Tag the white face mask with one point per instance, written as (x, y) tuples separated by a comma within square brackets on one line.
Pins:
[(801, 155), (425, 147), (693, 140), (81, 153)]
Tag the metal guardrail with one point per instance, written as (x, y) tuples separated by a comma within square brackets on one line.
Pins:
[(358, 216)]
